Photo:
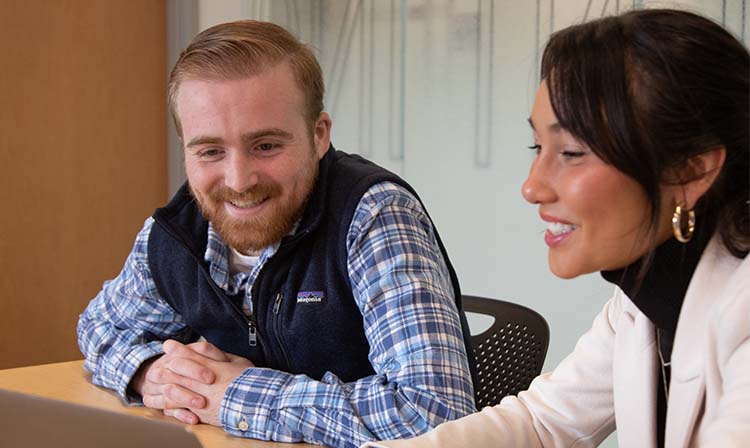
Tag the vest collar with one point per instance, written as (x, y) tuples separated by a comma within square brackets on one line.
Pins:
[(315, 206)]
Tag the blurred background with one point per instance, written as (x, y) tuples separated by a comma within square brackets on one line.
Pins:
[(438, 91)]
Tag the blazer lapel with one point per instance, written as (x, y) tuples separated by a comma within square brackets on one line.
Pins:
[(688, 384), (634, 370), (685, 403)]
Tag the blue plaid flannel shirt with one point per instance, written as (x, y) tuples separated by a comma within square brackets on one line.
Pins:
[(401, 286)]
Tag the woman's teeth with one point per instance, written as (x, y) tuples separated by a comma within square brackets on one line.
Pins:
[(558, 228)]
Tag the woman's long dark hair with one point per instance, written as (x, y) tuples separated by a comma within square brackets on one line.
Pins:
[(647, 90)]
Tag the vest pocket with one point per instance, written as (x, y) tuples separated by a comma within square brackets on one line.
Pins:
[(277, 330)]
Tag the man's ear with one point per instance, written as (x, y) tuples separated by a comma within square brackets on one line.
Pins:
[(698, 174), (322, 134)]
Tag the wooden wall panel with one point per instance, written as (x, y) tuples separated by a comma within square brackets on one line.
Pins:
[(82, 159)]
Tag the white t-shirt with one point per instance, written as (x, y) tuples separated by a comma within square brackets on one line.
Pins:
[(239, 262)]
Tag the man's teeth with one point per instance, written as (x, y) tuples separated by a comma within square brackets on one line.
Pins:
[(246, 204), (558, 228)]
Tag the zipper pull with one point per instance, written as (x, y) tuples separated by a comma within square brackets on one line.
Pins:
[(277, 304), (252, 337)]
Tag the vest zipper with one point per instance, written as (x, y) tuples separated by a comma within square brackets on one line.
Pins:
[(252, 334), (277, 303), (277, 326), (252, 329)]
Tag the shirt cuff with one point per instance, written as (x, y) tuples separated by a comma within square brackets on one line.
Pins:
[(134, 358), (249, 407)]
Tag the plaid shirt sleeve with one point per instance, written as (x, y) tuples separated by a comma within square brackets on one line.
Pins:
[(403, 289), (126, 322)]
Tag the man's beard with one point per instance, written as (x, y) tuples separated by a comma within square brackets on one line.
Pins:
[(258, 232)]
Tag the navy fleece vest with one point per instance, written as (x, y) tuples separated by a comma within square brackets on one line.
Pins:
[(305, 319)]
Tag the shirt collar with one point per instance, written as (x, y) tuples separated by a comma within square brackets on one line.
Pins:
[(217, 259)]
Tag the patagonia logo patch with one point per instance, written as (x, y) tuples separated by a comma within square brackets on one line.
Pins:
[(311, 297)]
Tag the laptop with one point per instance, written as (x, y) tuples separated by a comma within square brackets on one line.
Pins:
[(30, 421)]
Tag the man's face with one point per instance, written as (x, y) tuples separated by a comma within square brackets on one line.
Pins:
[(251, 156)]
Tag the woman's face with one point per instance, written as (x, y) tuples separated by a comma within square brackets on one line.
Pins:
[(597, 217)]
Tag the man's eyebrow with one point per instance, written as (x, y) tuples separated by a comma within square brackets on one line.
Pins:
[(250, 136), (267, 132), (203, 140)]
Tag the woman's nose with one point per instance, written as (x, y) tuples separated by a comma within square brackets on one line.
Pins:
[(537, 188)]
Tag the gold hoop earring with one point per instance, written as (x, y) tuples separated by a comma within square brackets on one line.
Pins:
[(677, 219)]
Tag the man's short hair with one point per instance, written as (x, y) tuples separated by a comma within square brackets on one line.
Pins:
[(245, 48)]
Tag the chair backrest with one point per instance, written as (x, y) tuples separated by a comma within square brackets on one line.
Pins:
[(510, 353)]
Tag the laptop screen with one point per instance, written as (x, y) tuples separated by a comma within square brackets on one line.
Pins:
[(30, 421)]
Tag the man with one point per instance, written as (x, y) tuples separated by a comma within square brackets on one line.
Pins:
[(325, 298)]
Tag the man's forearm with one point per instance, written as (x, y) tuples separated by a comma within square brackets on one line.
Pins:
[(271, 405)]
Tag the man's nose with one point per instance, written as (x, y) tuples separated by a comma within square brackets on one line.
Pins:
[(240, 173)]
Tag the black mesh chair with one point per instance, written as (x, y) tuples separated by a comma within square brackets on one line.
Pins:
[(510, 353)]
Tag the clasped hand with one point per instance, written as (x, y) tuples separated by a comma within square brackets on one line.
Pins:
[(188, 382)]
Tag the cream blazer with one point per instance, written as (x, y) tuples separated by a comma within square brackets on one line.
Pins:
[(610, 378)]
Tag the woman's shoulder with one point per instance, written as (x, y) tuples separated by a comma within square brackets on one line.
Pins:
[(717, 269), (729, 309), (727, 275), (733, 302)]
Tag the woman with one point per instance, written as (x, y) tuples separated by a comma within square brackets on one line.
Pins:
[(641, 172)]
